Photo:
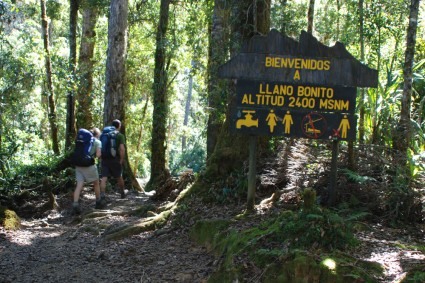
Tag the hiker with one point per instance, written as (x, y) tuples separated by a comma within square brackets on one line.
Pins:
[(113, 154), (88, 173)]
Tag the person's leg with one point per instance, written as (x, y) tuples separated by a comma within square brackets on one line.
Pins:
[(77, 191), (76, 205), (100, 201), (103, 186), (120, 183), (96, 188)]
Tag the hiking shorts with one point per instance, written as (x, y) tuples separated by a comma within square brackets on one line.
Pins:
[(111, 168), (86, 174)]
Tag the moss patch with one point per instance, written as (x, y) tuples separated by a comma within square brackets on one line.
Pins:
[(206, 232), (9, 219)]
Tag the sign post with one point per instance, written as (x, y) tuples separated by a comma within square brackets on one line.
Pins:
[(295, 89)]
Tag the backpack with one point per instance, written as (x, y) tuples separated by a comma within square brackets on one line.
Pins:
[(108, 138), (83, 144)]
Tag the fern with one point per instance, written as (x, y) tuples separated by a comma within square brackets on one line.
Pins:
[(355, 177)]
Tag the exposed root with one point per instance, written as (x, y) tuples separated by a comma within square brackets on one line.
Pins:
[(147, 224)]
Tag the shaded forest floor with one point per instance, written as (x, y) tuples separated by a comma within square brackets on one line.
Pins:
[(57, 246)]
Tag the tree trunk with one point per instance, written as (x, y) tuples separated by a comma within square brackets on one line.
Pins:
[(310, 16), (49, 82), (116, 79), (85, 87), (362, 57), (217, 89), (231, 150), (139, 138), (159, 173), (187, 107), (403, 133), (70, 99), (115, 83)]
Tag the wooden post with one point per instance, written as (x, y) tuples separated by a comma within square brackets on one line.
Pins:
[(334, 172), (252, 173)]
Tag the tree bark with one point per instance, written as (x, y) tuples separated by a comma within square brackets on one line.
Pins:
[(231, 150), (70, 99), (48, 66), (159, 173), (362, 57), (310, 16), (116, 84), (403, 133), (116, 78), (217, 89), (85, 70), (187, 107)]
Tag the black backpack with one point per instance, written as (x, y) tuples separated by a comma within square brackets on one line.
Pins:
[(83, 144), (108, 138)]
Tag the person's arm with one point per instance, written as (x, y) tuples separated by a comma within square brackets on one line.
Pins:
[(122, 153), (98, 152)]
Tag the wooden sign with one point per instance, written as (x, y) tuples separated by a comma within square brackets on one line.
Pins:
[(261, 94), (279, 58), (300, 124), (298, 89)]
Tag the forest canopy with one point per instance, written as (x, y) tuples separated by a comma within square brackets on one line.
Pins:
[(374, 35)]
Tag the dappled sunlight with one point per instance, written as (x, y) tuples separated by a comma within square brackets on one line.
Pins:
[(32, 232)]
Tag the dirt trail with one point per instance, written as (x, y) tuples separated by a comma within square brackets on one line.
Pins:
[(65, 248)]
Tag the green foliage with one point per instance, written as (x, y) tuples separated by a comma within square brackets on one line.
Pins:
[(280, 245), (232, 189), (416, 275), (321, 228), (402, 201), (355, 177), (192, 158)]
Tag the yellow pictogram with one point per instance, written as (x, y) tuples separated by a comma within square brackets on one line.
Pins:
[(271, 119), (287, 122), (310, 128), (247, 121), (344, 126)]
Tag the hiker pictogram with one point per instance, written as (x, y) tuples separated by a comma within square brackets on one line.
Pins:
[(287, 122), (247, 121), (344, 126)]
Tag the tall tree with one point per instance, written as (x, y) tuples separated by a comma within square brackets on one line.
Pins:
[(115, 81), (187, 106), (52, 115), (85, 67), (218, 52), (232, 150), (403, 133), (159, 172), (116, 76), (310, 16), (362, 57), (70, 101)]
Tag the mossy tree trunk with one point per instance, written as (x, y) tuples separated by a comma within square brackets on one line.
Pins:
[(403, 133), (52, 115), (159, 172), (85, 70), (231, 150), (217, 89), (70, 99)]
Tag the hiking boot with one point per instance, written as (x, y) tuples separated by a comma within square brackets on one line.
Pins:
[(122, 192), (105, 199), (76, 209), (100, 204)]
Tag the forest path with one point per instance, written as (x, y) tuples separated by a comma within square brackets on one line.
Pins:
[(61, 247), (66, 248)]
